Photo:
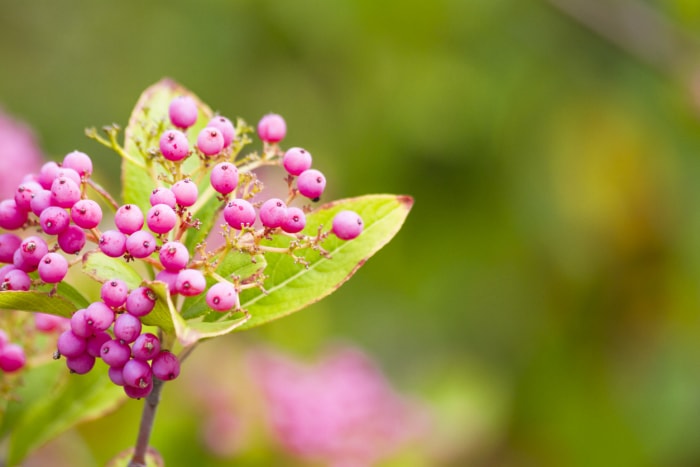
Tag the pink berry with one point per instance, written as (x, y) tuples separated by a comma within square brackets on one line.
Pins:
[(40, 201), (239, 213), (161, 218), (8, 245), (170, 279), (145, 347), (272, 128), (115, 353), (174, 256), (296, 160), (224, 177), (44, 322), (95, 343), (294, 220), (86, 214), (65, 172), (141, 244), (190, 282), (16, 279), (114, 292), (71, 240), (182, 111), (140, 301), (64, 192), (347, 225), (12, 358), (128, 218), (113, 243), (137, 393), (311, 183), (163, 196), (54, 220), (186, 192), (78, 161), (24, 194), (226, 128), (174, 145), (11, 216), (137, 373), (47, 174), (165, 366), (115, 375), (210, 141), (99, 317), (53, 267), (70, 345), (221, 296), (273, 212), (33, 249), (127, 328), (80, 364), (79, 324)]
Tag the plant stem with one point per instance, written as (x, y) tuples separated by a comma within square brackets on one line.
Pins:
[(147, 417)]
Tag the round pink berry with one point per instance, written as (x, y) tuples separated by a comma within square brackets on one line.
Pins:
[(113, 243), (161, 218), (12, 358), (190, 282), (8, 245), (24, 194), (141, 244), (186, 192), (221, 296), (11, 216), (128, 218), (40, 201), (224, 177), (182, 112), (226, 128), (296, 160), (347, 225), (53, 268), (294, 220), (272, 128), (174, 145), (163, 196), (72, 240), (78, 161), (165, 366), (86, 213), (311, 183), (54, 220), (174, 256), (239, 213), (47, 174), (273, 212), (210, 141)]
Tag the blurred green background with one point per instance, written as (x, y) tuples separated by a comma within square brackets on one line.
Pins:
[(542, 299)]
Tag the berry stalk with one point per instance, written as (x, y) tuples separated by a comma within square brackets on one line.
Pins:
[(146, 426)]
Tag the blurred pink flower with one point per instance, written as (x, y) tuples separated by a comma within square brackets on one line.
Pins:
[(341, 410), (19, 153)]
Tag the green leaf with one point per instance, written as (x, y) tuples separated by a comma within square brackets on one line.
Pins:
[(103, 268), (291, 287), (147, 120), (67, 291), (33, 300), (51, 401)]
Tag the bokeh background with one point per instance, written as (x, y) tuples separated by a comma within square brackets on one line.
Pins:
[(542, 300)]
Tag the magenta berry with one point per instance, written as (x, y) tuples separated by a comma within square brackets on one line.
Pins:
[(163, 196), (161, 218), (115, 375), (11, 216), (141, 244), (114, 292), (78, 161), (174, 145), (273, 212), (79, 324), (64, 192), (294, 220), (347, 225), (54, 220), (33, 249), (47, 174), (190, 282), (65, 172), (272, 128), (224, 177), (70, 345), (44, 322), (95, 343), (40, 201), (16, 279), (226, 128), (165, 366), (127, 327), (8, 245), (222, 296), (210, 141), (183, 111), (24, 194), (113, 243), (140, 301), (174, 256), (129, 218), (99, 317), (53, 267), (115, 353), (12, 358), (311, 183), (296, 160), (80, 364), (86, 214), (138, 392), (185, 192), (137, 373), (170, 279), (239, 213), (71, 240), (145, 347)]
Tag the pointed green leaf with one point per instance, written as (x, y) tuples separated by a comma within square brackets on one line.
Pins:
[(291, 286), (103, 268), (51, 401), (147, 120), (33, 300)]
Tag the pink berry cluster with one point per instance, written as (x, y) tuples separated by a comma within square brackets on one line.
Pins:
[(52, 219)]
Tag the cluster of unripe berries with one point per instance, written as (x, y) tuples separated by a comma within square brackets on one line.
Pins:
[(54, 206)]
